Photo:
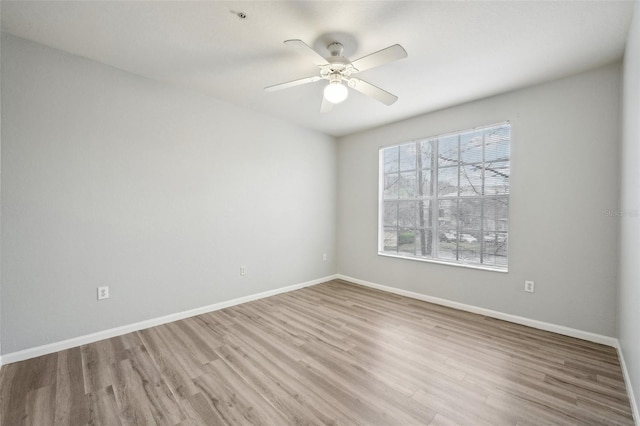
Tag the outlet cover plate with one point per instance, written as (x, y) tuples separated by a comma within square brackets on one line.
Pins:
[(529, 286), (103, 292)]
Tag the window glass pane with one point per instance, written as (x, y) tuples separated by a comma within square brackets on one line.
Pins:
[(470, 214), (448, 246), (448, 215), (470, 180), (390, 242), (408, 157), (494, 239), (391, 186), (407, 214), (496, 179), (471, 147), (426, 182), (390, 217), (407, 241), (448, 151), (500, 259), (496, 211), (468, 248), (407, 185), (390, 159), (424, 242), (424, 232), (497, 144), (495, 249), (448, 235), (468, 238), (425, 214), (426, 153), (448, 181)]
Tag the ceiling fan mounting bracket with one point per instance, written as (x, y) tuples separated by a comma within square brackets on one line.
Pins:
[(335, 48)]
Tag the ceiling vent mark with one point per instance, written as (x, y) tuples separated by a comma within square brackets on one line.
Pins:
[(241, 15)]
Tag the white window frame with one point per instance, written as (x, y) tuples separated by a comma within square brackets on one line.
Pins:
[(435, 199)]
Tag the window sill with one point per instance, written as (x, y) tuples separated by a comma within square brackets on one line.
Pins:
[(444, 262)]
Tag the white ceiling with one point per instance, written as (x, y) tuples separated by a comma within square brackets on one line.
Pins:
[(458, 51)]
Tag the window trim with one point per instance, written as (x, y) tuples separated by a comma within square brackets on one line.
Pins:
[(381, 201), (460, 263)]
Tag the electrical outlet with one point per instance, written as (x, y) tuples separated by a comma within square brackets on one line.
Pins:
[(243, 271), (103, 292), (324, 257), (529, 286)]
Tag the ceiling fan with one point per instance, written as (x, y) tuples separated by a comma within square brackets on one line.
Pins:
[(338, 70)]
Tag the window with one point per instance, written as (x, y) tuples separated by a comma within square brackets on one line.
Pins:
[(446, 198)]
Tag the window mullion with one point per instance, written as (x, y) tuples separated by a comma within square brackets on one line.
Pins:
[(435, 200), (482, 203), (398, 208), (458, 203)]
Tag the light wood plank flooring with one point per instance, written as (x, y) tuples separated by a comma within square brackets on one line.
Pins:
[(335, 353)]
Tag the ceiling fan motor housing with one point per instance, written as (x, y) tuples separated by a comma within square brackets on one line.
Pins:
[(335, 77), (336, 62)]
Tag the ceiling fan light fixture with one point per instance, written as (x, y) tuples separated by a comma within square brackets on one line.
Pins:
[(335, 92)]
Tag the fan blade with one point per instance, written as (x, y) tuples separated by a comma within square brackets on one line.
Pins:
[(381, 57), (373, 91), (326, 106), (291, 83), (304, 49)]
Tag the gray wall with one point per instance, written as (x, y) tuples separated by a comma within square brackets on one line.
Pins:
[(629, 294), (564, 179), (160, 193)]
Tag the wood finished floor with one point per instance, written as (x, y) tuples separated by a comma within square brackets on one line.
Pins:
[(335, 353)]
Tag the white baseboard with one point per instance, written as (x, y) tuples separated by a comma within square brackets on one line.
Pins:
[(118, 331), (627, 381), (541, 325)]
